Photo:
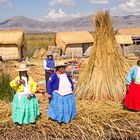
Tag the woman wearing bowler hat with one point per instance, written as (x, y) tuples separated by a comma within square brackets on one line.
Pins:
[(62, 106), (48, 65), (25, 107)]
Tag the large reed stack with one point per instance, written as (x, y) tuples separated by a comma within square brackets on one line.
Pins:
[(104, 75)]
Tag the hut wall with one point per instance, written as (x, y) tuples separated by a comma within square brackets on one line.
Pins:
[(121, 48), (9, 53), (22, 52), (74, 49), (136, 40), (87, 49), (135, 49)]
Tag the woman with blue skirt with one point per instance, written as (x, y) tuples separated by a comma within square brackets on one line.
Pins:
[(62, 106), (25, 107)]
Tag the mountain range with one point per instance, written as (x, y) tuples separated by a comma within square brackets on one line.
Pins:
[(77, 24)]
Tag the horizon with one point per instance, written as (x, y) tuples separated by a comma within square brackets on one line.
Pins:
[(64, 10)]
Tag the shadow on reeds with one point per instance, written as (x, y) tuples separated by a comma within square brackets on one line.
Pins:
[(6, 93)]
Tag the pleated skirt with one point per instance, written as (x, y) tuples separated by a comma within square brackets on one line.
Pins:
[(132, 98), (62, 108), (24, 111)]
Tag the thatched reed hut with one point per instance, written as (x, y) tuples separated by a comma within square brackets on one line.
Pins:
[(134, 32), (12, 44), (135, 36), (75, 43), (123, 41)]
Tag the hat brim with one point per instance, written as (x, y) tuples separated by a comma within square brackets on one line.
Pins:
[(60, 66), (22, 69)]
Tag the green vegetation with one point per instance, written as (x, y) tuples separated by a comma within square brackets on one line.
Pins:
[(6, 93), (37, 41)]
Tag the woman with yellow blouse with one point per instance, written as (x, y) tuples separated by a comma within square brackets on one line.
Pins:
[(25, 107)]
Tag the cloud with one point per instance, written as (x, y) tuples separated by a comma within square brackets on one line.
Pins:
[(6, 3), (99, 1), (60, 15), (63, 2), (129, 7)]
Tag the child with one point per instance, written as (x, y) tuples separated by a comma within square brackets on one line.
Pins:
[(25, 107)]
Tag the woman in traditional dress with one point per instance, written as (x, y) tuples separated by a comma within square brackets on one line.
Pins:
[(132, 99), (48, 65), (25, 107), (62, 106)]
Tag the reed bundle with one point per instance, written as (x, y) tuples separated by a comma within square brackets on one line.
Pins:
[(104, 75)]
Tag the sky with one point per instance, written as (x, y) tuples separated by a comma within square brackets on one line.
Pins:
[(57, 10)]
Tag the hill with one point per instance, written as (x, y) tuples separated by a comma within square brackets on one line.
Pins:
[(77, 24)]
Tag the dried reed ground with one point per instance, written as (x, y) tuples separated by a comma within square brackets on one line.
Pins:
[(94, 121)]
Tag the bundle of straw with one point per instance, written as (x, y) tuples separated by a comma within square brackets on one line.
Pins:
[(104, 75)]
